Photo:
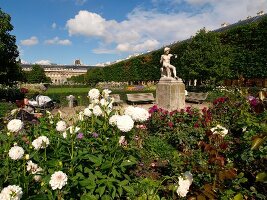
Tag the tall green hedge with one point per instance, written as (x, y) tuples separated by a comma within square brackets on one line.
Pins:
[(209, 56)]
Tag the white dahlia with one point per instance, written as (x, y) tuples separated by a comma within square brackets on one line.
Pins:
[(220, 130), (184, 183), (58, 180), (140, 114), (61, 126), (113, 120), (40, 143), (15, 125), (11, 192), (34, 169), (87, 112), (16, 153), (97, 110), (93, 94), (129, 110), (125, 123)]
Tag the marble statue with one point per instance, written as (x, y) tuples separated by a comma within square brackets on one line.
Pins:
[(167, 69)]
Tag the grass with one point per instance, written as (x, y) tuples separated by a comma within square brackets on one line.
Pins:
[(67, 91)]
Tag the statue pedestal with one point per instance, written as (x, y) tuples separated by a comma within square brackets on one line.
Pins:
[(170, 94)]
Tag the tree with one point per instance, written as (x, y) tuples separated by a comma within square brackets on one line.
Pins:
[(10, 71), (206, 59), (37, 75)]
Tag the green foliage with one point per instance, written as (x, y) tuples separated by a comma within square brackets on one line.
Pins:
[(205, 58), (10, 71), (37, 75), (209, 56)]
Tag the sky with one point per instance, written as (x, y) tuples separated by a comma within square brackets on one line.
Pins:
[(103, 31)]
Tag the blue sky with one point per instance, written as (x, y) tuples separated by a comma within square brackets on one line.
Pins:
[(102, 31)]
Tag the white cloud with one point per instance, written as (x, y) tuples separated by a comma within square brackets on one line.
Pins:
[(24, 61), (147, 45), (43, 62), (54, 25), (80, 2), (30, 42), (149, 29), (56, 40)]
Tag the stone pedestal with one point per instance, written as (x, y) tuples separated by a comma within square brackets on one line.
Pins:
[(170, 94)]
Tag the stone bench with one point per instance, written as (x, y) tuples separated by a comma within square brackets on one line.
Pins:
[(117, 99), (197, 97), (140, 98)]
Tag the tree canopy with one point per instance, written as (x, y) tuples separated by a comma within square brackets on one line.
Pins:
[(10, 71), (37, 75)]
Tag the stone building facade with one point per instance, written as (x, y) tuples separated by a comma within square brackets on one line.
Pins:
[(60, 73)]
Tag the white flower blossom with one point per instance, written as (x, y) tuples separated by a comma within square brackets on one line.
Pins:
[(87, 112), (97, 110), (16, 152), (125, 123), (122, 141), (94, 93), (103, 102), (106, 93), (14, 111), (129, 110), (34, 169), (140, 114), (58, 180), (81, 116), (71, 130), (219, 130), (113, 120), (61, 126), (40, 143), (11, 192), (184, 183), (15, 125)]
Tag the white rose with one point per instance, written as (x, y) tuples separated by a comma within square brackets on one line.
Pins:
[(11, 192), (15, 125), (61, 126), (16, 153), (125, 123), (58, 180), (94, 94)]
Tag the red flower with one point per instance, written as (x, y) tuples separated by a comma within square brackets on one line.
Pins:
[(24, 90), (170, 124)]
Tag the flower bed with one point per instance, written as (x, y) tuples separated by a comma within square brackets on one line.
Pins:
[(215, 153)]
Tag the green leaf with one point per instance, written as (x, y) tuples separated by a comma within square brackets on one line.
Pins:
[(101, 190), (123, 183), (261, 177), (88, 196), (105, 197), (106, 165), (95, 159), (256, 143), (128, 189), (238, 197)]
